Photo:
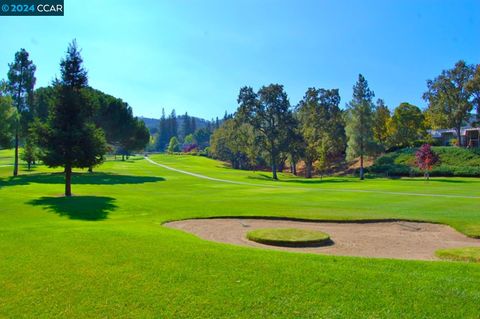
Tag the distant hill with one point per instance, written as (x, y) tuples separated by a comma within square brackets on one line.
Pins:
[(152, 124)]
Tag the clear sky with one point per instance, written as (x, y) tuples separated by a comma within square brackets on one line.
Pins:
[(195, 55)]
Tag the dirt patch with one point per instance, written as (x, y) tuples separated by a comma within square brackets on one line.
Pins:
[(400, 240)]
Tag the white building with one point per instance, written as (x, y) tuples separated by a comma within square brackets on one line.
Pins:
[(470, 135)]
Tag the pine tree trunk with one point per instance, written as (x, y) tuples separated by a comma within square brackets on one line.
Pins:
[(68, 180), (308, 169), (15, 164), (90, 169), (274, 170), (361, 168), (294, 168)]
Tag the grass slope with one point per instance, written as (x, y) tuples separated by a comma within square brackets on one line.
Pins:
[(454, 161), (461, 254), (104, 253)]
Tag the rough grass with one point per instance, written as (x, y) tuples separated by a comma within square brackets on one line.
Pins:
[(293, 237), (104, 252), (462, 254)]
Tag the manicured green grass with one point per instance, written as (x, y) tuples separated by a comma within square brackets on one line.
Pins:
[(104, 252), (292, 237), (462, 254), (6, 157), (338, 198)]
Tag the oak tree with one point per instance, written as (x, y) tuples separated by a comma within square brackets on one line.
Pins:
[(269, 113), (451, 98)]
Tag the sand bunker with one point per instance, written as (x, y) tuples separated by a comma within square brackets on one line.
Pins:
[(400, 240)]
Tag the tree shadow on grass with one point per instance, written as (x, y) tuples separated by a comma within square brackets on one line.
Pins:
[(315, 180), (78, 179), (91, 208), (318, 180)]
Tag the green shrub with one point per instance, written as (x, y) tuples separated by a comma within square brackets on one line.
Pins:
[(454, 161)]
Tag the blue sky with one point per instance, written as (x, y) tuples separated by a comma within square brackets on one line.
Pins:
[(195, 55)]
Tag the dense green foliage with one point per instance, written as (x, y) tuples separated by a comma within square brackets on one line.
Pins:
[(268, 112), (30, 153), (453, 161), (236, 142), (173, 145), (381, 121), (8, 119), (322, 129), (473, 86), (452, 96), (104, 252), (292, 237), (461, 254), (167, 130), (406, 126), (124, 132)]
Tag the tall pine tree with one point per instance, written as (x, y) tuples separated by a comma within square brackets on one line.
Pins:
[(172, 125), (21, 81), (163, 134), (359, 123), (186, 125), (69, 137)]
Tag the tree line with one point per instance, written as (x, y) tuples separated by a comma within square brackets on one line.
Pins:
[(181, 133), (267, 131), (67, 124)]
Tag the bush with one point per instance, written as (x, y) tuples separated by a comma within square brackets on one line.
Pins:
[(454, 161), (190, 148)]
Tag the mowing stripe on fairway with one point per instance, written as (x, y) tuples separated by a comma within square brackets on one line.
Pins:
[(207, 177), (303, 188)]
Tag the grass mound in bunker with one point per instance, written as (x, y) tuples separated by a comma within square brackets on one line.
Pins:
[(471, 254), (290, 237)]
